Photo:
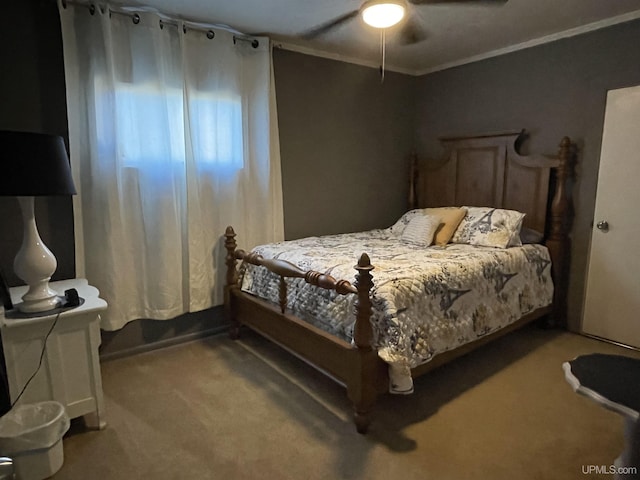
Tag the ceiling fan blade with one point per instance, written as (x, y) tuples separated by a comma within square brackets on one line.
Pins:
[(411, 32), (459, 2), (325, 27)]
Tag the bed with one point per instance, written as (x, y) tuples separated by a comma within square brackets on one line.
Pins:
[(296, 293)]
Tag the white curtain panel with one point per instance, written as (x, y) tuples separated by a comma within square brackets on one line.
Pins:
[(173, 136)]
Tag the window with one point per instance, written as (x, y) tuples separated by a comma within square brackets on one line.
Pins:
[(150, 127)]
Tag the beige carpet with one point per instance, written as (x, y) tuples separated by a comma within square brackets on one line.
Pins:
[(218, 409)]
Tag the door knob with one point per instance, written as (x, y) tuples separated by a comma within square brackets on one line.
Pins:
[(603, 225)]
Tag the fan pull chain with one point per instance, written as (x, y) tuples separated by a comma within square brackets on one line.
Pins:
[(383, 52)]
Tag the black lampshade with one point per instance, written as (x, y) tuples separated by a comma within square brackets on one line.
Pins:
[(34, 164)]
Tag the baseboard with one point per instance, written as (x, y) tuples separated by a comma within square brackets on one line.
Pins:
[(168, 342), (607, 340)]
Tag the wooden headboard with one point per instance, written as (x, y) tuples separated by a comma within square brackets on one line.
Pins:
[(487, 171)]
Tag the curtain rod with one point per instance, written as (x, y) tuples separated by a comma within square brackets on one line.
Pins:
[(132, 12)]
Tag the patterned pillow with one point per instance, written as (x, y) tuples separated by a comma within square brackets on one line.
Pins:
[(490, 227), (451, 218), (398, 227), (420, 230)]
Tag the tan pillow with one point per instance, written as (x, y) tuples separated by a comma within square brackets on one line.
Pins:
[(450, 218)]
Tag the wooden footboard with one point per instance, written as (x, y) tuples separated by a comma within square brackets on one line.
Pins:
[(357, 366)]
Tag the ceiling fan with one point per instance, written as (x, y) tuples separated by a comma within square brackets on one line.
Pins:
[(383, 14)]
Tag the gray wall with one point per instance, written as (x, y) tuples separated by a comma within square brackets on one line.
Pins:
[(345, 138), (551, 90)]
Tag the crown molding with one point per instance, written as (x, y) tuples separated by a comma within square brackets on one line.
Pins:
[(590, 27)]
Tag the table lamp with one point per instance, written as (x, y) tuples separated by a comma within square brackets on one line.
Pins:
[(34, 164)]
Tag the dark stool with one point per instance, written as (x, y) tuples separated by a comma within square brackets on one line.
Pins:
[(613, 381)]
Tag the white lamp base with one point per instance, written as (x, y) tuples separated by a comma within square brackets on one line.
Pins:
[(39, 298), (34, 264)]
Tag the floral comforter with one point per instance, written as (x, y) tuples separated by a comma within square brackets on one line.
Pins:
[(425, 300)]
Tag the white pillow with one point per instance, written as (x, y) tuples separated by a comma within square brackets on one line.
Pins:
[(490, 227), (421, 229), (398, 227)]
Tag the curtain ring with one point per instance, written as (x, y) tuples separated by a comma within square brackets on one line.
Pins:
[(161, 24), (234, 39), (211, 34), (92, 9), (135, 18), (255, 43), (184, 29)]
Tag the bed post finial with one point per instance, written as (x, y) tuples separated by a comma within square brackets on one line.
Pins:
[(558, 242), (363, 332), (413, 180), (230, 260), (232, 278), (561, 204)]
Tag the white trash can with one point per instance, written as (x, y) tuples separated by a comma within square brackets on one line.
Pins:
[(31, 435)]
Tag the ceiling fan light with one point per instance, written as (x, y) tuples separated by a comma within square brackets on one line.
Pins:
[(383, 14)]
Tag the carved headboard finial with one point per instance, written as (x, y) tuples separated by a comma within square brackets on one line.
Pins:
[(413, 181), (561, 203)]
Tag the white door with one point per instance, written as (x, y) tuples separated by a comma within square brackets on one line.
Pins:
[(612, 303)]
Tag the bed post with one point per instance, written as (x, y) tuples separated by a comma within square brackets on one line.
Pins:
[(362, 390), (232, 279), (413, 180), (558, 242)]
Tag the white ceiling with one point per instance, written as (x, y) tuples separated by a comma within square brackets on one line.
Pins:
[(456, 34)]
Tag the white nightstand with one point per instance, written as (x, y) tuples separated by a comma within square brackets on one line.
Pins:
[(70, 371)]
